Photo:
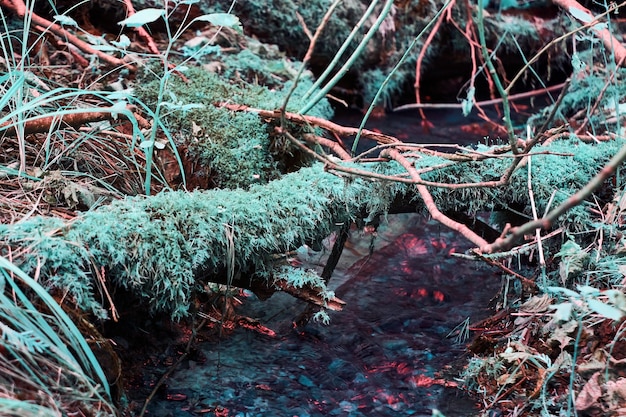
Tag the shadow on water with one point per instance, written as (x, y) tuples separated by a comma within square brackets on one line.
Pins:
[(386, 354), (447, 126)]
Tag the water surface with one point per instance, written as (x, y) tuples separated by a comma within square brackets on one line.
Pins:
[(386, 354)]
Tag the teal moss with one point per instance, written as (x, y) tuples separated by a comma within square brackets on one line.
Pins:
[(157, 246), (238, 147), (558, 174), (585, 88)]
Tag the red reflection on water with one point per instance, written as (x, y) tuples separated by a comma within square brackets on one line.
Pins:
[(390, 399), (403, 368), (413, 245), (251, 324), (438, 244), (421, 292), (439, 296), (221, 412), (426, 381), (176, 397), (384, 367), (405, 267)]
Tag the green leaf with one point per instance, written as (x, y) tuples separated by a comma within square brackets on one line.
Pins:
[(580, 15), (468, 103), (562, 290), (147, 144), (617, 298), (586, 290), (64, 20), (563, 311), (605, 310), (222, 19), (142, 17), (123, 43), (117, 108)]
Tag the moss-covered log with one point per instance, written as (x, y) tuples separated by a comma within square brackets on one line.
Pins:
[(162, 248)]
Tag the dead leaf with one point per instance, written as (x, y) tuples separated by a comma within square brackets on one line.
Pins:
[(590, 394), (617, 391)]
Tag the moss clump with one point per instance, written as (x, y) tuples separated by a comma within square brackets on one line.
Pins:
[(237, 147), (585, 87), (552, 173), (157, 247)]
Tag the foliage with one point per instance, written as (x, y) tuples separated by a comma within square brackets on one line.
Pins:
[(586, 86), (506, 34), (165, 247), (44, 357)]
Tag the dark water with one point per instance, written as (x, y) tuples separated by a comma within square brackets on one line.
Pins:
[(446, 126), (386, 354)]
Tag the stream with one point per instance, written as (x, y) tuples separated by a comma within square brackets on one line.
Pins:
[(386, 354), (390, 352)]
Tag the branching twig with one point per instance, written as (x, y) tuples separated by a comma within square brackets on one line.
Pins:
[(20, 9), (309, 53), (430, 203), (316, 121), (507, 242), (420, 59), (559, 39), (610, 42)]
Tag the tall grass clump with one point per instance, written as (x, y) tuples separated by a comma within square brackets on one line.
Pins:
[(46, 365)]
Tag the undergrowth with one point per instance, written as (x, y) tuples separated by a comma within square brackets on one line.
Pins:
[(271, 197)]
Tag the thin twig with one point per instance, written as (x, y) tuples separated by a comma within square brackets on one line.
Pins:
[(309, 52), (171, 368), (420, 59), (546, 222), (531, 196), (512, 97), (430, 204), (20, 9)]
